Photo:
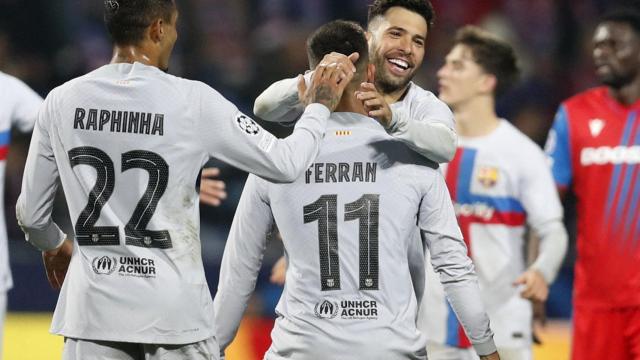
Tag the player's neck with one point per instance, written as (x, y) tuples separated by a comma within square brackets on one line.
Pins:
[(395, 96), (133, 53), (476, 117), (349, 103), (627, 94)]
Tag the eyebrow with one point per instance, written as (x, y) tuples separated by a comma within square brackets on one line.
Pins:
[(405, 30)]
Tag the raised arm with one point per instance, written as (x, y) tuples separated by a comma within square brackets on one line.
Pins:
[(242, 259), (238, 140), (428, 129), (442, 237), (423, 122), (280, 102)]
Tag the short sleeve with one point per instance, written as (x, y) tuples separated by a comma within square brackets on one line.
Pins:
[(558, 149)]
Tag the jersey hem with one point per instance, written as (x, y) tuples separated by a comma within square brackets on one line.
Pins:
[(158, 340)]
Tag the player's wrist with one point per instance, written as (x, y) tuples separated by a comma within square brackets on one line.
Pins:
[(55, 251)]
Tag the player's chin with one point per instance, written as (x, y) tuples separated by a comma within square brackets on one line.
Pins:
[(445, 97)]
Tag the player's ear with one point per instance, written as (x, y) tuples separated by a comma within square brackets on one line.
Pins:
[(371, 71), (489, 83), (156, 30)]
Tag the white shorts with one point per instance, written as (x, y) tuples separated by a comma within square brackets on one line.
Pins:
[(77, 349), (3, 311), (443, 352)]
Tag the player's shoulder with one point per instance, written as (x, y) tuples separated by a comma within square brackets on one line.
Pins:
[(513, 135), (10, 84), (417, 94), (395, 155), (513, 138), (587, 98), (195, 88), (77, 82), (8, 79)]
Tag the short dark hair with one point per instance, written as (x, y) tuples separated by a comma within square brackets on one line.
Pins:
[(127, 20), (494, 55), (627, 15), (341, 36), (422, 7)]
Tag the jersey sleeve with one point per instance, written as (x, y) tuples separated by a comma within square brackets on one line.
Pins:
[(233, 137), (541, 202), (27, 103), (242, 259), (280, 102), (39, 185), (558, 149), (443, 239), (416, 261), (427, 127)]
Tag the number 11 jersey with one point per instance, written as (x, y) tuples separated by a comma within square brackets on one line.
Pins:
[(355, 260)]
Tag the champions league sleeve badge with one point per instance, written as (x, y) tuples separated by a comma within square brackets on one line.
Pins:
[(247, 124)]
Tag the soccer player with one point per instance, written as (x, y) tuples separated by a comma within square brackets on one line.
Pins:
[(19, 106), (397, 33), (127, 142), (499, 182), (356, 266), (594, 148)]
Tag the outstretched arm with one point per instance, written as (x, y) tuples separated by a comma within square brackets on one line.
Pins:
[(281, 102), (443, 238), (241, 142), (426, 125), (242, 259)]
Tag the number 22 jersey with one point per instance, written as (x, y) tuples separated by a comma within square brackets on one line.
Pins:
[(127, 142)]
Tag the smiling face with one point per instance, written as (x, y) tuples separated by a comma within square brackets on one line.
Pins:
[(396, 47), (616, 53)]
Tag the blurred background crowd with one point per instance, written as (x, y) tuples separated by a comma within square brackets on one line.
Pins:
[(239, 47)]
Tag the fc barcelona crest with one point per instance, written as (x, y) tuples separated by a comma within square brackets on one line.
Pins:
[(488, 176)]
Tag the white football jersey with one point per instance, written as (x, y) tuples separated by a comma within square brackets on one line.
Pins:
[(420, 119), (499, 183), (127, 142), (355, 263), (18, 108)]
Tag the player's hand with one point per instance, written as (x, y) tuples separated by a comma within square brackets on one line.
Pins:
[(493, 356), (212, 192), (539, 321), (56, 263), (279, 271), (344, 64), (327, 86), (535, 287), (374, 104)]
